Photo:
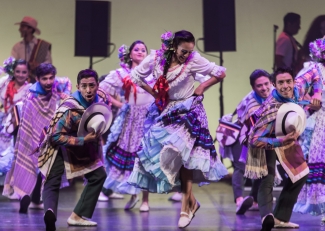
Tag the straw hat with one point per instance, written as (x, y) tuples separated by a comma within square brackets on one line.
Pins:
[(29, 21), (97, 118)]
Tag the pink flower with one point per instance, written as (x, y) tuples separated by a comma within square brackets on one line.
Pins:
[(167, 36), (8, 61)]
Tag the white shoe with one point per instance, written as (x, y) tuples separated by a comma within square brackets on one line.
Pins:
[(144, 207), (116, 196), (177, 197), (81, 222), (132, 202), (102, 197), (36, 206), (14, 196), (282, 224), (185, 221)]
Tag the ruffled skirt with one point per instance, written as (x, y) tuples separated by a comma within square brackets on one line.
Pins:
[(312, 196), (178, 137), (122, 145)]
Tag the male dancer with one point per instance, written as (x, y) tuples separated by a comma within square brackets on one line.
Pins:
[(287, 150), (64, 150), (38, 108), (260, 80)]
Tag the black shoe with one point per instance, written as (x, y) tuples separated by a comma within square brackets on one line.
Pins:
[(245, 205), (24, 203), (268, 223), (49, 219)]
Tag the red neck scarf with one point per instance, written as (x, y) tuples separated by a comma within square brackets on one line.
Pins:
[(161, 87), (127, 85), (10, 93)]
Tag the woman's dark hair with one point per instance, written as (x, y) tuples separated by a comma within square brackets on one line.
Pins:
[(45, 69), (282, 70), (257, 74), (312, 34), (21, 62), (179, 37), (86, 74), (129, 61)]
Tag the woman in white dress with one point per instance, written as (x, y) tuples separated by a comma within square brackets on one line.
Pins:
[(127, 130), (177, 148), (13, 89), (312, 196)]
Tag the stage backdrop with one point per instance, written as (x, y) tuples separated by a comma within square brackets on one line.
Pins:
[(147, 19)]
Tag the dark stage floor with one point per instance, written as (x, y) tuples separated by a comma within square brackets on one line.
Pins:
[(217, 212)]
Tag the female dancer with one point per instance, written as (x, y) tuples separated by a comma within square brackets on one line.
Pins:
[(312, 196), (127, 130), (13, 89), (177, 149)]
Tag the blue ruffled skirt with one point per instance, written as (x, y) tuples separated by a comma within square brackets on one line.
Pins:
[(178, 137)]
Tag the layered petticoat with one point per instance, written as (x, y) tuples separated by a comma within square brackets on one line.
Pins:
[(122, 145), (312, 196), (178, 137)]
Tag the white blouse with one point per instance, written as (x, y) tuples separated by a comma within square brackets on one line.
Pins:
[(19, 96), (181, 78), (113, 83)]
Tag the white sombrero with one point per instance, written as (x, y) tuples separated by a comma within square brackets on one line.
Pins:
[(290, 117), (97, 118)]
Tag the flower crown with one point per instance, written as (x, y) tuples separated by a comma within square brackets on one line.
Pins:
[(8, 66), (317, 50), (123, 52)]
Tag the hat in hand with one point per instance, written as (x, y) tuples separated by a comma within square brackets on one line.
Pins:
[(290, 117), (97, 118)]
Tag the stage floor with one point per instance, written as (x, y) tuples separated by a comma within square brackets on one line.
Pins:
[(217, 212)]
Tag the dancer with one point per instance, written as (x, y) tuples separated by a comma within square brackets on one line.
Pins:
[(77, 151), (276, 139), (312, 196), (23, 179), (177, 149), (127, 131), (13, 89), (260, 81)]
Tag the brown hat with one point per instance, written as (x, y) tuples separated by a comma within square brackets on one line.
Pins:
[(29, 21)]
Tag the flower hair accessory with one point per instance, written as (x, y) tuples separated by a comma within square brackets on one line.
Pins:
[(317, 50), (123, 56), (8, 66), (167, 41)]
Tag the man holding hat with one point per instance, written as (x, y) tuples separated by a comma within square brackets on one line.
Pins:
[(280, 121), (72, 144), (31, 49)]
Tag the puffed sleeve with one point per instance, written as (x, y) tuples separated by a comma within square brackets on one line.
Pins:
[(201, 78), (112, 83), (144, 69), (63, 86), (201, 65)]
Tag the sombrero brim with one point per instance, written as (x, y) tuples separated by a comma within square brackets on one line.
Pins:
[(286, 107), (96, 107)]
